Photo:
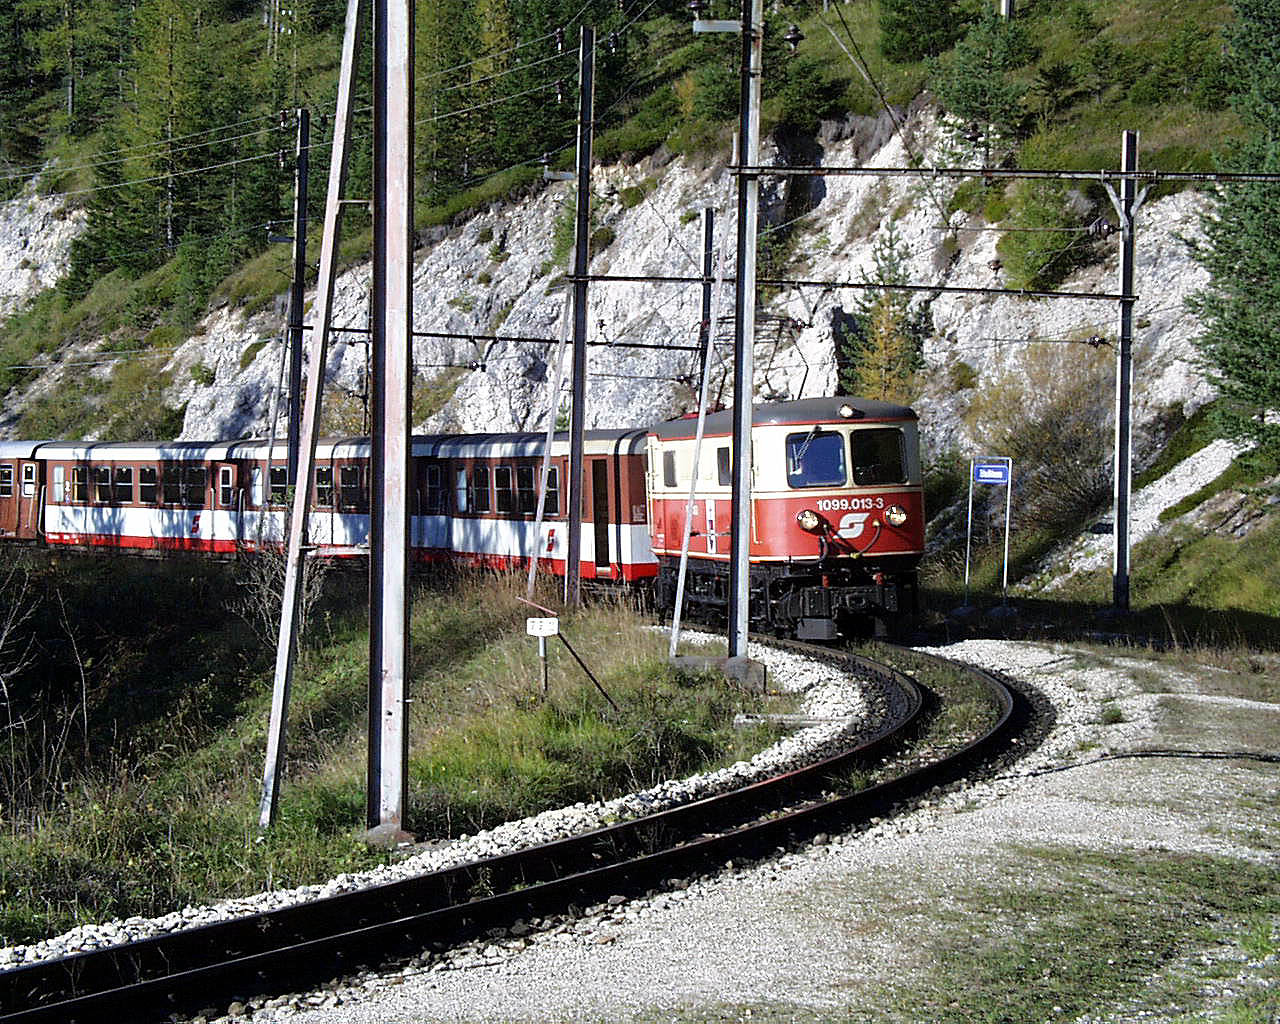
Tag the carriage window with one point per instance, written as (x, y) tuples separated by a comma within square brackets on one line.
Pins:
[(279, 485), (460, 489), (324, 486), (504, 494), (479, 489), (553, 492), (724, 475), (123, 486), (815, 459), (102, 484), (226, 489), (79, 483), (6, 481), (879, 456), (171, 483), (436, 498), (668, 469), (193, 484), (526, 493), (147, 485), (352, 491), (28, 480)]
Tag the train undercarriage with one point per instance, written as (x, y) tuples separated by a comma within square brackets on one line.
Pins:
[(805, 600)]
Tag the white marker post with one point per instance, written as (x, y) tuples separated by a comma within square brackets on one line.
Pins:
[(542, 628), (998, 471)]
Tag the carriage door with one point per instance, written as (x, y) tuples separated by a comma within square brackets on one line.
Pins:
[(29, 506), (600, 513)]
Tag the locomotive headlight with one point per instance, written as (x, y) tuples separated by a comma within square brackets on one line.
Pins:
[(895, 515), (846, 410), (809, 520)]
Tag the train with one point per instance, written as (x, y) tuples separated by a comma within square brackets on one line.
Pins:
[(837, 508)]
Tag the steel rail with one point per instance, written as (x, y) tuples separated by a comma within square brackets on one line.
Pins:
[(309, 943)]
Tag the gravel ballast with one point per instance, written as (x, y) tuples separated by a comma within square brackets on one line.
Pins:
[(828, 929)]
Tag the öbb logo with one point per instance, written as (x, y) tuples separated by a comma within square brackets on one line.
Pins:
[(851, 525)]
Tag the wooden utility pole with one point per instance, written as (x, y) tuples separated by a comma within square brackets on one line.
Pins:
[(291, 602), (297, 291)]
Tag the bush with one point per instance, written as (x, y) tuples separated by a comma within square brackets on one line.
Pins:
[(1052, 414)]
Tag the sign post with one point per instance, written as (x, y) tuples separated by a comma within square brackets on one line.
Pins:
[(542, 628), (993, 471)]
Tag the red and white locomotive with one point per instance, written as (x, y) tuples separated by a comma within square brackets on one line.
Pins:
[(837, 525), (837, 514)]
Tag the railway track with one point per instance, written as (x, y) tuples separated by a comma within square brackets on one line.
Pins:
[(309, 943)]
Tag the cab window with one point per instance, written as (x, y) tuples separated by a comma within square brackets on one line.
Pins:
[(815, 459), (879, 456)]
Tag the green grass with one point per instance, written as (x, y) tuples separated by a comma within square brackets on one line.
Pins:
[(142, 795), (1082, 931)]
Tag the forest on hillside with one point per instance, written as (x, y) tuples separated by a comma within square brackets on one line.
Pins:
[(171, 123)]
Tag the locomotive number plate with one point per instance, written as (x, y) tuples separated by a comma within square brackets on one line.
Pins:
[(848, 504)]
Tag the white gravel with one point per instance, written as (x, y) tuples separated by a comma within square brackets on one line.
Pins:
[(1094, 551), (825, 692), (828, 929)]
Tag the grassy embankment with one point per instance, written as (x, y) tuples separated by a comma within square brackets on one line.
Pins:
[(134, 751)]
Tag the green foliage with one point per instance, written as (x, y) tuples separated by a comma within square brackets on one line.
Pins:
[(1042, 249), (1240, 306), (879, 345), (977, 84), (911, 30)]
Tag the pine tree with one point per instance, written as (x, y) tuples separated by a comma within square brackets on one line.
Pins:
[(977, 86), (1241, 306)]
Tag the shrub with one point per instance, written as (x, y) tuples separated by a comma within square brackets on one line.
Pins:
[(1051, 414)]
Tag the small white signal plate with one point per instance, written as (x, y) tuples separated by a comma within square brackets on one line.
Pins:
[(542, 627)]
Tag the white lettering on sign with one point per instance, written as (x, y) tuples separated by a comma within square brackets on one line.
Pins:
[(846, 504), (542, 627), (990, 473), (851, 525)]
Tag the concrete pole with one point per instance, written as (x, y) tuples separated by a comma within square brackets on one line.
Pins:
[(1124, 374), (582, 233), (744, 326), (392, 345)]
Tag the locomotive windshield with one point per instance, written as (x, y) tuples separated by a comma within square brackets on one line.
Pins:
[(879, 457), (815, 459)]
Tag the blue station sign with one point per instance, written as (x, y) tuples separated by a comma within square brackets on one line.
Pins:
[(990, 472)]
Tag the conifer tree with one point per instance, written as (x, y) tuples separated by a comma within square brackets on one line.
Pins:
[(977, 85), (1241, 306)]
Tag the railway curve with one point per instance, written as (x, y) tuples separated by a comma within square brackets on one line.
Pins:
[(309, 943)]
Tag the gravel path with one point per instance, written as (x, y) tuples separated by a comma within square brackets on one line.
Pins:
[(827, 929)]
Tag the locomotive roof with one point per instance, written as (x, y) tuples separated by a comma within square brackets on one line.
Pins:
[(804, 410)]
